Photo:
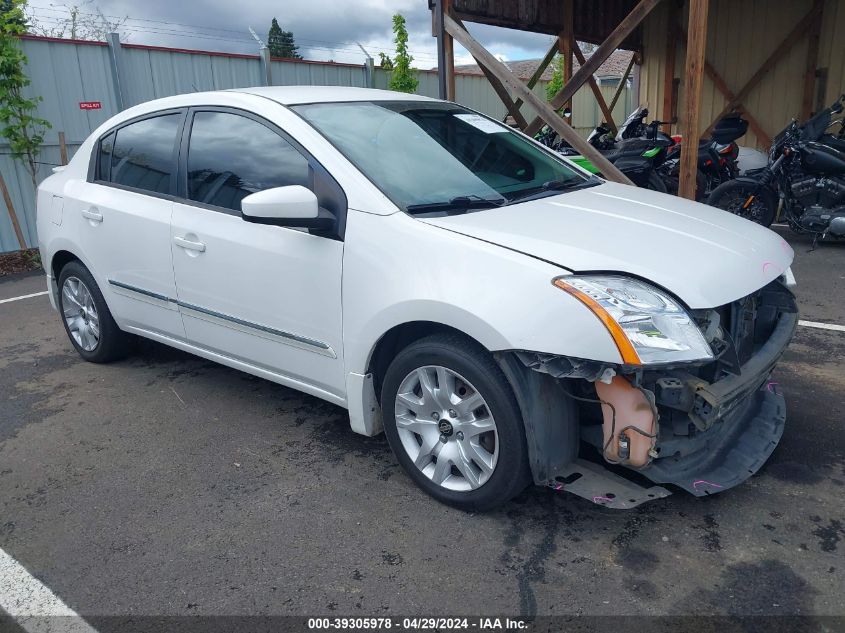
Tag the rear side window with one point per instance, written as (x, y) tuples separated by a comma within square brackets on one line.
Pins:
[(104, 161), (231, 156), (142, 154)]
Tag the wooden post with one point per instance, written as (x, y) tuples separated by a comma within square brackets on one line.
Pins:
[(449, 54), (547, 113), (503, 94), (616, 37), (694, 73), (12, 215), (669, 69), (565, 42), (62, 149), (813, 38)]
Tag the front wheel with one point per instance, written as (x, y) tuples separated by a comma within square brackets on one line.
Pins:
[(745, 198), (453, 423)]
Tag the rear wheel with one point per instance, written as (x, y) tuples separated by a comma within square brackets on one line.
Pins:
[(453, 423), (86, 317), (743, 198)]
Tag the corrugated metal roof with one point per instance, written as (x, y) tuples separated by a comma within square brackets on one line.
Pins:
[(613, 66)]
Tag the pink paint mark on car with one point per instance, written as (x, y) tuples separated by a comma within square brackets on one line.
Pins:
[(702, 482)]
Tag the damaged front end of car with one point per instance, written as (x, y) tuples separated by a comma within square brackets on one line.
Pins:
[(702, 425)]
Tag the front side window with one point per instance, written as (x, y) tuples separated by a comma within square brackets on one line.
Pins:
[(231, 156), (427, 156), (142, 153)]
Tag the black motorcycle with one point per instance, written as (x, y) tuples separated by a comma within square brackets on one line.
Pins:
[(717, 158), (806, 170)]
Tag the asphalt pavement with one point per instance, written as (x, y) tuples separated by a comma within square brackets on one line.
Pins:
[(169, 485)]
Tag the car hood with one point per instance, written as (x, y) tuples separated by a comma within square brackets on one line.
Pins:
[(705, 256)]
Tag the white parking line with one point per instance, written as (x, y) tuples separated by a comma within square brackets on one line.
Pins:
[(34, 294), (822, 326), (32, 605)]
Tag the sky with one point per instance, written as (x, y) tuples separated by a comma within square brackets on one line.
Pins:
[(323, 29)]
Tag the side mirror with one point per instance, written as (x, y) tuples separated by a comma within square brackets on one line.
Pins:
[(294, 206), (567, 112)]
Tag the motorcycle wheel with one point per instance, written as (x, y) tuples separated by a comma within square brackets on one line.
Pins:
[(733, 196)]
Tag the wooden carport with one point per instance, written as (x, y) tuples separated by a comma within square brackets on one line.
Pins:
[(613, 24)]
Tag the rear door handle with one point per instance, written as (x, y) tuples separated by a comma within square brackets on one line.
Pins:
[(92, 214), (189, 245)]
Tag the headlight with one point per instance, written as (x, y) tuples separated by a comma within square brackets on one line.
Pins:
[(648, 326)]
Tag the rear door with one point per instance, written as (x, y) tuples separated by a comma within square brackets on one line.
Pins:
[(121, 217), (265, 295)]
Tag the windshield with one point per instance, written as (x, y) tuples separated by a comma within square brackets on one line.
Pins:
[(432, 157)]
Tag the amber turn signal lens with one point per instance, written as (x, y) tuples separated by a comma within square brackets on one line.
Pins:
[(626, 350)]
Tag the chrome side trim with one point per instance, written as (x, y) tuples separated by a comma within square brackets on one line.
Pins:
[(324, 348), (262, 328), (141, 291)]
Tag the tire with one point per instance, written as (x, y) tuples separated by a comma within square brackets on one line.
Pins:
[(732, 195), (655, 182), (95, 335), (483, 461)]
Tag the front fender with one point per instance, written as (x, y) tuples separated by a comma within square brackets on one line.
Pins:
[(398, 270)]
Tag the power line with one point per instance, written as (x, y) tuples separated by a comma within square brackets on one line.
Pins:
[(198, 34)]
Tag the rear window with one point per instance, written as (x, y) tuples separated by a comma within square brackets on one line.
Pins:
[(141, 154)]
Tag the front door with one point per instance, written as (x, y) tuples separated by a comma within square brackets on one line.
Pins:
[(264, 295)]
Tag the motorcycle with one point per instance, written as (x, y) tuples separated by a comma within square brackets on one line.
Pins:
[(717, 158), (637, 158), (806, 171)]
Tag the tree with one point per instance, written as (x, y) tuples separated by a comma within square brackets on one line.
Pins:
[(281, 43), (556, 82), (385, 63), (403, 78), (84, 21), (22, 129)]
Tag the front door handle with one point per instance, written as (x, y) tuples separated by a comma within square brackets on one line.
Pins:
[(92, 214), (189, 245)]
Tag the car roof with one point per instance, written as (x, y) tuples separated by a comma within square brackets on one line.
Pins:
[(292, 95)]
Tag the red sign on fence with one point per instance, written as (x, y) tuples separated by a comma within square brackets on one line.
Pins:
[(90, 105)]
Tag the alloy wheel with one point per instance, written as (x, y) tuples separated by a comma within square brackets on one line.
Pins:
[(80, 314)]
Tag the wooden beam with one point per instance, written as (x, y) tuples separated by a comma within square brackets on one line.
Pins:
[(62, 149), (504, 95), (449, 54), (812, 62), (12, 215), (617, 36), (722, 87), (544, 63), (621, 87), (566, 39), (547, 114), (780, 50), (694, 73), (606, 112), (669, 69)]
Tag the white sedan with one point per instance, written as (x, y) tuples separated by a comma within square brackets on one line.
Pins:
[(502, 315)]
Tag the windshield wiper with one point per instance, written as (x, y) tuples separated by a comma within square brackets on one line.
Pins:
[(556, 185), (458, 204)]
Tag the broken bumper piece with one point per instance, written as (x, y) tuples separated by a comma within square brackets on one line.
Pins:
[(729, 452)]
